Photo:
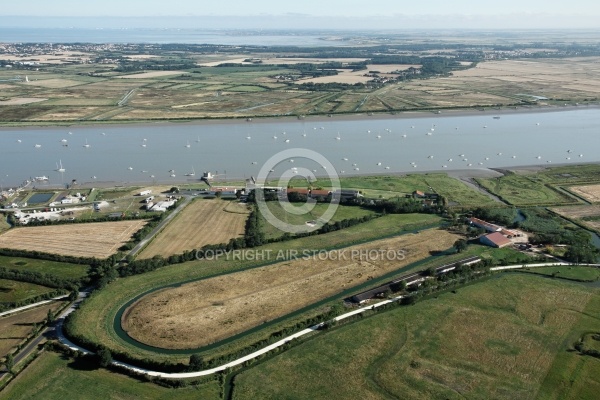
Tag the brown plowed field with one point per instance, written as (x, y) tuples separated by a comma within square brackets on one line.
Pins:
[(100, 240), (206, 311), (202, 222)]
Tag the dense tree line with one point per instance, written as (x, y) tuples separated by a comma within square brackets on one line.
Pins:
[(100, 218), (56, 257), (582, 253), (39, 278), (502, 216)]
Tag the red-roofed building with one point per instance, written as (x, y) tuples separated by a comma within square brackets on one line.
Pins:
[(301, 191), (485, 225), (319, 193), (495, 239)]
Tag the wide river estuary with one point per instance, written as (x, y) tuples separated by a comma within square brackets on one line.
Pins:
[(152, 153)]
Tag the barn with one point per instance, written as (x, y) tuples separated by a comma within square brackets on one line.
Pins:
[(495, 239)]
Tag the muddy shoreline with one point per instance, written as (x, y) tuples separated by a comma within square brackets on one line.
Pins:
[(312, 119)]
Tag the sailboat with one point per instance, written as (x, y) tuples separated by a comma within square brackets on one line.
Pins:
[(86, 145), (198, 140), (188, 144), (338, 137), (144, 143), (59, 167), (193, 173)]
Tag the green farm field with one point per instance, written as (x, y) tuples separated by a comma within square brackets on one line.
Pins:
[(525, 190), (547, 186), (14, 291), (454, 190), (504, 338), (341, 213), (61, 270), (95, 318), (52, 377), (579, 273)]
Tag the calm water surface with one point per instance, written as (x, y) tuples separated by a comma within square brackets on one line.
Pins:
[(238, 149)]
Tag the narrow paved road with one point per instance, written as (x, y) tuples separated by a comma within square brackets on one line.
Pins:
[(47, 333), (181, 205), (312, 329), (14, 310)]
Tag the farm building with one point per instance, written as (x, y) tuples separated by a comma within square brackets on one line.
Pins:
[(410, 279), (495, 239), (347, 194), (509, 233), (417, 194), (162, 206), (485, 225), (314, 193)]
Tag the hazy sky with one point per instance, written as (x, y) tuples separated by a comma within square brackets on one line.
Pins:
[(495, 14)]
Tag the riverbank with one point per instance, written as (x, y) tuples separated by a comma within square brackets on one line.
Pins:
[(462, 112), (465, 175)]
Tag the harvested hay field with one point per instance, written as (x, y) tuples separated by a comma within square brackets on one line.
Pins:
[(100, 240), (202, 222), (589, 192), (206, 311), (578, 212), (586, 215)]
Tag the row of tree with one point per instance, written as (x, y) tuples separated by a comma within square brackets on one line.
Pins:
[(39, 278)]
